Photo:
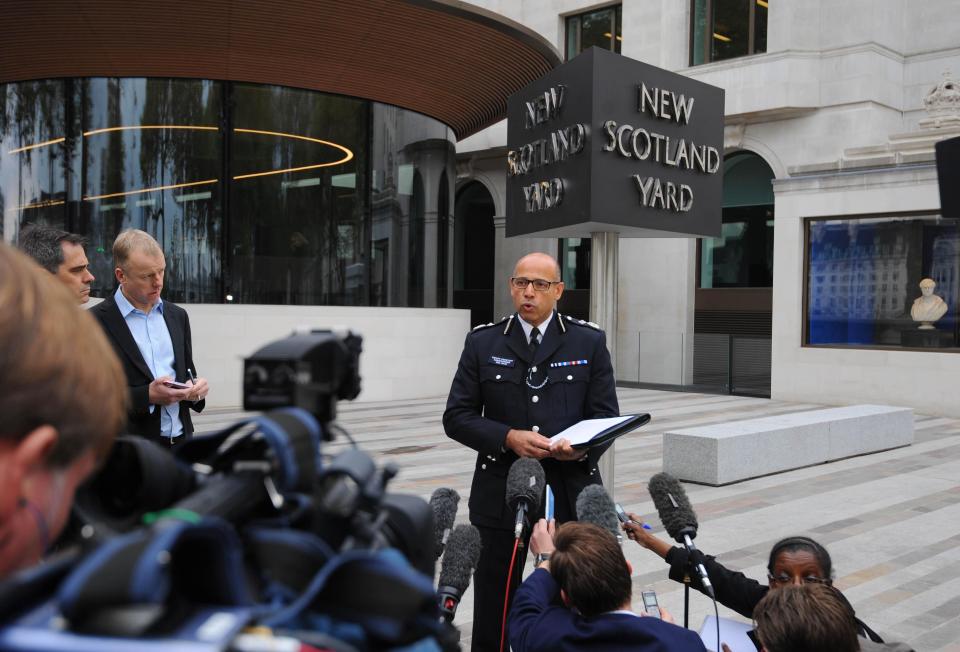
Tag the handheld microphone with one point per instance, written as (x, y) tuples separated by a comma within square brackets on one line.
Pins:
[(678, 518), (459, 562), (525, 482), (443, 502), (594, 505)]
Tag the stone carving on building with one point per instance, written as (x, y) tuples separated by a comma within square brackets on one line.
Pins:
[(942, 104), (928, 307)]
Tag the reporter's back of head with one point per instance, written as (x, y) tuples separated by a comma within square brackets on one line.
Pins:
[(806, 618), (62, 402), (589, 566)]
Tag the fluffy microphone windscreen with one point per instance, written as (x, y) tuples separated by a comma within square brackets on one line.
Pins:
[(525, 483), (443, 502), (460, 559), (676, 518), (594, 505)]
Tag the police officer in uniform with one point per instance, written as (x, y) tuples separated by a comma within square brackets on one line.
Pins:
[(518, 383)]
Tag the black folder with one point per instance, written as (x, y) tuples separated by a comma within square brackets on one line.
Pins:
[(629, 424)]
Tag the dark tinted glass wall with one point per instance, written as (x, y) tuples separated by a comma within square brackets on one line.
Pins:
[(258, 194), (863, 278)]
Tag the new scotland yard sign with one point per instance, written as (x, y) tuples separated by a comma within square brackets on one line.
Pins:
[(606, 143)]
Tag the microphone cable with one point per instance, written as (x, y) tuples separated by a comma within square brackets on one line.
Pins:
[(506, 593)]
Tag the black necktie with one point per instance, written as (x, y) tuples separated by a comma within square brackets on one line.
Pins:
[(534, 341)]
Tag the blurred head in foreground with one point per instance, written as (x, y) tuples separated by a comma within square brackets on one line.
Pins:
[(62, 402)]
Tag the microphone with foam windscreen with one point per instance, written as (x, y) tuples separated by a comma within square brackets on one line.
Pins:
[(525, 483), (459, 562), (594, 505), (443, 502), (678, 518)]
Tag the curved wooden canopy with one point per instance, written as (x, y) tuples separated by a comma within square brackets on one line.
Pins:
[(443, 58)]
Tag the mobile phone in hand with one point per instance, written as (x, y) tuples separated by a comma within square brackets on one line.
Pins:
[(650, 604), (622, 515), (172, 384)]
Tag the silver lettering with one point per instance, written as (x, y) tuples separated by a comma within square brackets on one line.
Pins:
[(699, 158), (647, 98), (624, 129), (686, 198), (672, 197), (643, 185), (713, 160), (609, 127), (640, 154), (657, 194), (684, 109), (682, 158), (577, 137)]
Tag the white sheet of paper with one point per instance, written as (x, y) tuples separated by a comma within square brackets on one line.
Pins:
[(587, 429), (732, 632)]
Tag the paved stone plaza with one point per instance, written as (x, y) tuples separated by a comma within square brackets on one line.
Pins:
[(890, 520)]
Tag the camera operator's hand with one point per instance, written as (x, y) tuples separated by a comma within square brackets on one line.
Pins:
[(541, 539), (198, 390), (160, 394), (526, 443), (642, 536), (563, 451)]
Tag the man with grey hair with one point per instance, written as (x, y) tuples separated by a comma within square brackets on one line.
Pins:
[(60, 253), (152, 338)]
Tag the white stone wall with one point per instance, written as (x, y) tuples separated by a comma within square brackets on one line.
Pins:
[(407, 352), (926, 381)]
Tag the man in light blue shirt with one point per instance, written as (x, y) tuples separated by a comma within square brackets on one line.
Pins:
[(153, 340)]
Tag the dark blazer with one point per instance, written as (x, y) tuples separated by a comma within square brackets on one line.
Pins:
[(491, 394), (139, 419), (538, 622)]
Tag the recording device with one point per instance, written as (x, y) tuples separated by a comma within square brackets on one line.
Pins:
[(459, 562), (443, 503), (594, 505), (266, 472), (678, 518), (650, 604), (310, 370), (172, 384), (622, 515), (525, 482)]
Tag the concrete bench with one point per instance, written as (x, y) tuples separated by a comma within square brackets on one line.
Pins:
[(730, 452)]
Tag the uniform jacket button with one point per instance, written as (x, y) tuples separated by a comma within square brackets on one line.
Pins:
[(484, 466), (568, 377), (534, 370), (498, 376), (535, 428), (535, 399)]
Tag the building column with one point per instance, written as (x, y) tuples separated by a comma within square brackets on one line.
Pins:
[(604, 270)]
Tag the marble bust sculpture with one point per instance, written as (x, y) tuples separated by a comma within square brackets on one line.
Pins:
[(928, 307)]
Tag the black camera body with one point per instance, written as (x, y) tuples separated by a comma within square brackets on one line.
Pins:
[(311, 370)]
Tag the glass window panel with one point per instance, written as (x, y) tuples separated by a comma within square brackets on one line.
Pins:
[(33, 154), (596, 28), (151, 160), (409, 156), (743, 254), (731, 29), (760, 26), (618, 32), (573, 36), (863, 279), (298, 226), (575, 263)]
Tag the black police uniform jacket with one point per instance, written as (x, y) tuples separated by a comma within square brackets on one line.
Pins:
[(499, 387)]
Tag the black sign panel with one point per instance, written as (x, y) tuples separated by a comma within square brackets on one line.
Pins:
[(606, 143), (948, 176)]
